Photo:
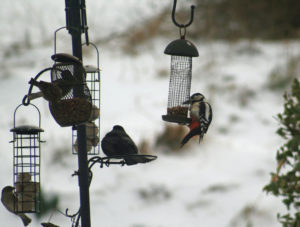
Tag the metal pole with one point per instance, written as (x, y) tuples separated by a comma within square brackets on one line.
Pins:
[(74, 25)]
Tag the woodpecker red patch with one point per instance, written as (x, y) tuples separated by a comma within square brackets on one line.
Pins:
[(194, 124)]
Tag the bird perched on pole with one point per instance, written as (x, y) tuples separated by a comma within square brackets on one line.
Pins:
[(201, 116), (9, 200), (118, 143)]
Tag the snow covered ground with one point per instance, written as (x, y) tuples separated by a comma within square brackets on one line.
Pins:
[(216, 183)]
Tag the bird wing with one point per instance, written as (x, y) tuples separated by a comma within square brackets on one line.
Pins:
[(126, 144), (118, 143)]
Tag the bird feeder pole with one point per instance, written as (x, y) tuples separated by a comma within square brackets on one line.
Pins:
[(76, 25)]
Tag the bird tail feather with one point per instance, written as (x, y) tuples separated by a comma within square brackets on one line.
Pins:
[(35, 95), (33, 82), (26, 220), (191, 134)]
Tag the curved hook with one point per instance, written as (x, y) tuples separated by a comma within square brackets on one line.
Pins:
[(174, 20), (26, 100)]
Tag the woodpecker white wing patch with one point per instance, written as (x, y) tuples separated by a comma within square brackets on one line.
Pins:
[(201, 116), (205, 111)]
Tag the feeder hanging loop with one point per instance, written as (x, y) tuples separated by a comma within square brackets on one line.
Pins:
[(182, 32), (182, 25)]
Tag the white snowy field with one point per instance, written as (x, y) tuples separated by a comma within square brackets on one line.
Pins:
[(217, 183)]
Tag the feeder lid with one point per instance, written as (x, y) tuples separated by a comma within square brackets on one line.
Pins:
[(63, 57), (91, 69), (182, 47), (27, 129)]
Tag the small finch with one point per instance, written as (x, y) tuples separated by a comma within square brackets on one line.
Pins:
[(9, 200), (51, 92)]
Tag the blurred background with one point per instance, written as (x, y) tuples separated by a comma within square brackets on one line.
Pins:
[(249, 53)]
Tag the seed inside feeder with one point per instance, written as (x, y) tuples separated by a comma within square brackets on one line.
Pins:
[(177, 110)]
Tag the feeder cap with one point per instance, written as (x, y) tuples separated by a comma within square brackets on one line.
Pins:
[(91, 69), (27, 129), (182, 47), (63, 57)]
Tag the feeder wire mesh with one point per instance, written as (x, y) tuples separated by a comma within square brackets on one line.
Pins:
[(179, 89), (180, 81), (26, 166), (93, 81), (76, 103)]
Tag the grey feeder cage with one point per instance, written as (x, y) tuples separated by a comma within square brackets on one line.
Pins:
[(93, 124), (181, 51), (26, 165)]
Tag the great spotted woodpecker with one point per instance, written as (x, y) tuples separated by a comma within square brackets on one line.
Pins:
[(201, 116)]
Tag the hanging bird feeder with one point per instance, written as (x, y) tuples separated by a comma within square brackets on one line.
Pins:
[(75, 105), (182, 51), (93, 123), (26, 165)]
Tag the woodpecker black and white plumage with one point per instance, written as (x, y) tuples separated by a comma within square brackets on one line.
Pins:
[(117, 143), (201, 116)]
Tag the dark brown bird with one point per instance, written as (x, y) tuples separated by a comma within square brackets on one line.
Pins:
[(118, 143), (9, 200), (50, 91), (65, 84)]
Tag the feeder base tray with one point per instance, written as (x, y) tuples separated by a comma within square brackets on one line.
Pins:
[(121, 159), (176, 119)]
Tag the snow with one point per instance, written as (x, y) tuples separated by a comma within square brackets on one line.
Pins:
[(216, 183)]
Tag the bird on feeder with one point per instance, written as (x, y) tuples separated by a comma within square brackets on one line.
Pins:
[(181, 51), (65, 83), (201, 117), (51, 92), (118, 143), (9, 200)]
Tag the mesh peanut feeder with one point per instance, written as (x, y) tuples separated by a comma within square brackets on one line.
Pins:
[(181, 51), (26, 165), (75, 105)]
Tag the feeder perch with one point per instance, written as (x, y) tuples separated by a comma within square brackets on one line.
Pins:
[(26, 165), (75, 105), (93, 123), (181, 51)]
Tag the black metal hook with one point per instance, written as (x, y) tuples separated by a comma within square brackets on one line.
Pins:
[(174, 20)]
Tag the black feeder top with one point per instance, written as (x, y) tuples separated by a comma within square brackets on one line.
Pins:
[(26, 130), (182, 47)]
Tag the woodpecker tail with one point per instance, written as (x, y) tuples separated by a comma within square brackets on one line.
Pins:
[(192, 133)]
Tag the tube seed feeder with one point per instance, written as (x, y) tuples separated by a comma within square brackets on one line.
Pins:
[(181, 51), (92, 126), (26, 165)]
